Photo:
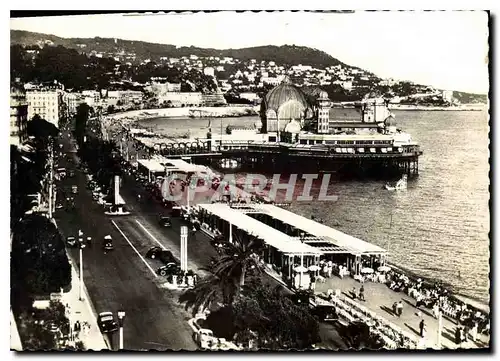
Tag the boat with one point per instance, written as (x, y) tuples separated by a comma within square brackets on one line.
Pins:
[(400, 185)]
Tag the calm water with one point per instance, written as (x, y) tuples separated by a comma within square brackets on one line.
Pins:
[(439, 227)]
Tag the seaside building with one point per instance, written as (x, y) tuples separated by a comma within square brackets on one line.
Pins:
[(18, 115), (447, 96), (181, 99), (46, 103)]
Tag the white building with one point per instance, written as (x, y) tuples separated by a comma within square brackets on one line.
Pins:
[(72, 100), (179, 99), (45, 103), (18, 116), (249, 96), (447, 96), (209, 71), (301, 67)]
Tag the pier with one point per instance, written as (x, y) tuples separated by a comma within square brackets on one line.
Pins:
[(252, 156)]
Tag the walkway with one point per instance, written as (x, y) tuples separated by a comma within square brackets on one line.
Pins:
[(15, 339), (379, 298)]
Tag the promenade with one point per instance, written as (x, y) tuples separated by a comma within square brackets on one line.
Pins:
[(379, 299), (15, 339), (82, 311)]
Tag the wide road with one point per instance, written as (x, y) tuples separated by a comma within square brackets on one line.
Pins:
[(121, 279), (143, 230)]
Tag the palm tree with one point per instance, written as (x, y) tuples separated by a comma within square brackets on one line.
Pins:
[(240, 257), (210, 291), (227, 274)]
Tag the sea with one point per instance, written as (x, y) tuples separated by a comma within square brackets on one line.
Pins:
[(439, 227)]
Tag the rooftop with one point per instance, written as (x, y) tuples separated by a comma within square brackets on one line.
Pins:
[(327, 239), (273, 237)]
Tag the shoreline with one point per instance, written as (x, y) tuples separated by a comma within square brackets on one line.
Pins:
[(187, 112), (462, 108), (482, 305)]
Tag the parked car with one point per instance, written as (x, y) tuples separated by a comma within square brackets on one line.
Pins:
[(163, 255), (168, 269), (325, 313), (165, 221), (220, 244), (107, 323)]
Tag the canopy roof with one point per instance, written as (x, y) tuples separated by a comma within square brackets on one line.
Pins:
[(151, 165), (339, 241), (269, 235), (179, 164)]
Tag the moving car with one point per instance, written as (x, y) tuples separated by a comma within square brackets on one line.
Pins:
[(165, 221), (62, 172), (108, 243), (72, 242), (107, 323), (163, 255)]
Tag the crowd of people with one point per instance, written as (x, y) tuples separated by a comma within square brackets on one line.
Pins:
[(437, 298)]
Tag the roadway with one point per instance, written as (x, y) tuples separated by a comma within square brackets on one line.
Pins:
[(121, 279)]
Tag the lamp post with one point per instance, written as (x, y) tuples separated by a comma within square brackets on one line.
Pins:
[(81, 246), (121, 319), (302, 235)]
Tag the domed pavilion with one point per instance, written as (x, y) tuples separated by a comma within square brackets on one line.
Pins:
[(283, 104)]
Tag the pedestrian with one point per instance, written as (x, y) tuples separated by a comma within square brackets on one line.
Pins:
[(462, 335), (422, 327), (362, 293), (313, 282), (458, 336), (474, 332), (353, 293), (435, 310), (399, 308)]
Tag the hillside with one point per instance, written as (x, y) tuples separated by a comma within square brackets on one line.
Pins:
[(283, 55)]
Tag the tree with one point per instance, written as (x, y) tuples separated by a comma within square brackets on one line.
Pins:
[(263, 315), (81, 119), (239, 257), (358, 336), (41, 129), (210, 291), (38, 258)]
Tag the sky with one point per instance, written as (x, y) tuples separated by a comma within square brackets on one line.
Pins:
[(446, 49)]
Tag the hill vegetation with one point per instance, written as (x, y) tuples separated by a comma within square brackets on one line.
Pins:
[(283, 55)]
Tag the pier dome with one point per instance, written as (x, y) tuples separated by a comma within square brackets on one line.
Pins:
[(282, 104)]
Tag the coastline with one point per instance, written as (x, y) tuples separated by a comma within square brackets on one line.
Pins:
[(475, 303), (461, 108), (196, 112)]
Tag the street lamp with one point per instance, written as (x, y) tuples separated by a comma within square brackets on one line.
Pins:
[(121, 318), (302, 236)]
